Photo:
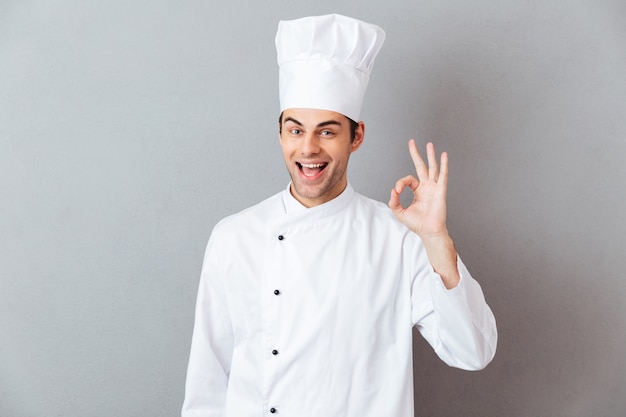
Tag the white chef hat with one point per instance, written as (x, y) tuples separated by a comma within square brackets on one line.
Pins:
[(325, 62)]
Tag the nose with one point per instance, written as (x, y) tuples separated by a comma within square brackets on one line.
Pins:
[(310, 144)]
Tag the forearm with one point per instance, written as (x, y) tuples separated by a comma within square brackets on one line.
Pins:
[(209, 360), (460, 327), (442, 256)]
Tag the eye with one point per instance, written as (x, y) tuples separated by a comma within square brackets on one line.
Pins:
[(327, 133), (295, 131)]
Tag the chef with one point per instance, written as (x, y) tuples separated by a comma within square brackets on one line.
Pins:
[(307, 300)]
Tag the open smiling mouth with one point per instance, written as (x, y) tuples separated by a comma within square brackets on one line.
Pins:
[(311, 170)]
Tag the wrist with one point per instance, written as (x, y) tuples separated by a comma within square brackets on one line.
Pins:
[(443, 257)]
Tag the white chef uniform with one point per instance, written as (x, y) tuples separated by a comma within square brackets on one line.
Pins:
[(309, 312)]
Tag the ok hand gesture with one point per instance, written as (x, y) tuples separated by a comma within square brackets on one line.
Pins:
[(426, 215)]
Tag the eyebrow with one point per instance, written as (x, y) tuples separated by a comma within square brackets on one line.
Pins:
[(322, 124)]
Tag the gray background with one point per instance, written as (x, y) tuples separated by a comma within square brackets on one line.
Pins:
[(129, 128)]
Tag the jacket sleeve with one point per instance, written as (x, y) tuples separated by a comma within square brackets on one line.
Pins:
[(212, 342), (457, 323)]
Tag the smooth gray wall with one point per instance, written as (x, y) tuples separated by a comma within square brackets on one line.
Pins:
[(129, 128)]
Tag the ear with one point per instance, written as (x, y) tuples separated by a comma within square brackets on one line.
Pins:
[(359, 135)]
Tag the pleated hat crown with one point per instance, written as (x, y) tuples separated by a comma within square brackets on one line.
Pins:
[(325, 62)]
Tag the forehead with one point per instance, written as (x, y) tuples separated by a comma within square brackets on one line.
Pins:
[(313, 117)]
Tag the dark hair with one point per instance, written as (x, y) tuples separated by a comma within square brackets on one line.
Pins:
[(353, 126)]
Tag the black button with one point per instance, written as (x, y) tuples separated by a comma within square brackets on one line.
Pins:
[(272, 410), (276, 292), (274, 352), (281, 237)]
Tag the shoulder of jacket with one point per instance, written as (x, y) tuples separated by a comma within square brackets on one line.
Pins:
[(380, 214), (373, 207), (253, 215)]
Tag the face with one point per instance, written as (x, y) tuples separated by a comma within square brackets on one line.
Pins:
[(317, 146)]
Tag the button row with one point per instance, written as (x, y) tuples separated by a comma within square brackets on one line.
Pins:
[(275, 352)]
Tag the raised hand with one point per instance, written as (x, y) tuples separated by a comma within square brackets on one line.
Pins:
[(426, 215)]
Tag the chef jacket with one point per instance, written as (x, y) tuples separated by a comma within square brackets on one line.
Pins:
[(309, 312)]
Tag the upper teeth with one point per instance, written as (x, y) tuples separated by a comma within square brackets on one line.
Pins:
[(312, 165)]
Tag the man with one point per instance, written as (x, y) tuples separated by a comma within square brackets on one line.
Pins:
[(307, 300)]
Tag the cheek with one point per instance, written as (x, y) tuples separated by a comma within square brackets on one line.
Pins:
[(287, 150)]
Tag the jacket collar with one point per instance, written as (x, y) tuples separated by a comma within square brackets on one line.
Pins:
[(295, 211)]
